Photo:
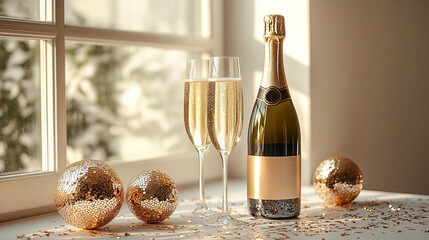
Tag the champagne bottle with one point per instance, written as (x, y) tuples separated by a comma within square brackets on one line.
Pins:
[(274, 144)]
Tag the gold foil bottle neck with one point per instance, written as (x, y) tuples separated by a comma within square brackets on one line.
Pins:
[(274, 34), (274, 25)]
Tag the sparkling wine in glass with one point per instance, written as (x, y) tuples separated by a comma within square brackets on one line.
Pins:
[(195, 113), (225, 117)]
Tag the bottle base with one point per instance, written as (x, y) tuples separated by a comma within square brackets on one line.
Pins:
[(274, 209)]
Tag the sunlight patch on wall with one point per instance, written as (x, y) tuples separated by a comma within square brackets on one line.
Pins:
[(257, 76), (296, 15), (301, 102)]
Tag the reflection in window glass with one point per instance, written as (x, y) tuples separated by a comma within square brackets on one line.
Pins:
[(124, 102), (157, 16), (19, 104), (23, 9)]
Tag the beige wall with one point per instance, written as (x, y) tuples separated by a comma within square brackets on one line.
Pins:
[(243, 38), (370, 89)]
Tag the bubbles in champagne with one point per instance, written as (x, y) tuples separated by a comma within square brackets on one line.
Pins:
[(225, 112), (196, 112)]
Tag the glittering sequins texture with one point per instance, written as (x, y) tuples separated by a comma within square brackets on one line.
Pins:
[(152, 196), (88, 194)]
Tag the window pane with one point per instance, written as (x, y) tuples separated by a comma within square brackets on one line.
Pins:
[(124, 102), (23, 9), (157, 16), (19, 106)]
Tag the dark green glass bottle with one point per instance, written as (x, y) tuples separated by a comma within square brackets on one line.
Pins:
[(274, 144)]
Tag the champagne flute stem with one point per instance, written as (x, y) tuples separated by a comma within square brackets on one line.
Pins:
[(202, 202), (225, 158)]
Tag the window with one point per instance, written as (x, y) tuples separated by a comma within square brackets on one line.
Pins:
[(19, 106), (77, 83), (123, 102)]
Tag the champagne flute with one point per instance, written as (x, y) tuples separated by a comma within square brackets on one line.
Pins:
[(195, 109), (225, 117)]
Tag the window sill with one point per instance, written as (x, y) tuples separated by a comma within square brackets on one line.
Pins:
[(370, 216)]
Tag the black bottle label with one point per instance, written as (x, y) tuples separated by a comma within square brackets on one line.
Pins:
[(273, 95)]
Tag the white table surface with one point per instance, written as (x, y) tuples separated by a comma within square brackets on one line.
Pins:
[(373, 215)]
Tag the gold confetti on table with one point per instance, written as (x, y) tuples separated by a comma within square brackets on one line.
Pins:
[(373, 215)]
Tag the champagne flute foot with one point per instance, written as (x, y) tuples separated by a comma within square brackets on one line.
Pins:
[(199, 213), (225, 221)]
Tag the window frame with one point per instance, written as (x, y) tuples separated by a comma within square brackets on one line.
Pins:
[(32, 193)]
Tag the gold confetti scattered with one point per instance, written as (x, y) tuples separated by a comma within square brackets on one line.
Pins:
[(318, 221)]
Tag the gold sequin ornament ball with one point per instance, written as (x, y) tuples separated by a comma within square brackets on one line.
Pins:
[(88, 194), (152, 196), (337, 180)]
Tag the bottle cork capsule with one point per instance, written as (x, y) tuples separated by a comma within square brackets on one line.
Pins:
[(274, 24)]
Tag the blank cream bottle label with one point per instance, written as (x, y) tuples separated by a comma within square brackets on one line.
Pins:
[(273, 177)]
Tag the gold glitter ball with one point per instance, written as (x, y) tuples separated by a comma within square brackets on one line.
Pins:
[(152, 196), (337, 180), (88, 194)]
